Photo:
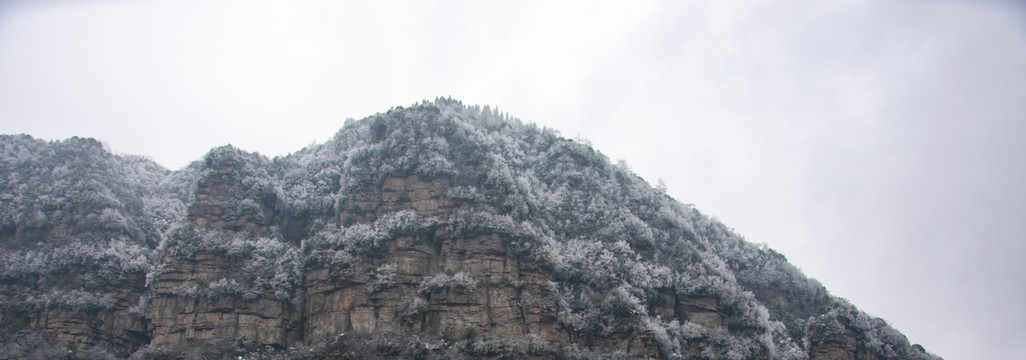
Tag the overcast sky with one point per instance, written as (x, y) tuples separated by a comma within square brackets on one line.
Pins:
[(878, 144)]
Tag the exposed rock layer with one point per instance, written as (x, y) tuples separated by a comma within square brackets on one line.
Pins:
[(177, 313), (115, 327)]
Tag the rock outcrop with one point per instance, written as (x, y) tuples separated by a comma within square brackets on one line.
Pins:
[(509, 298), (388, 291), (222, 201), (179, 311), (701, 310), (114, 326)]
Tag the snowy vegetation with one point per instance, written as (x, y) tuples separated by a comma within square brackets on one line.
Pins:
[(460, 282), (616, 244)]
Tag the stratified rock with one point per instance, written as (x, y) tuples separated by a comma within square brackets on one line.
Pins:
[(179, 311), (510, 297)]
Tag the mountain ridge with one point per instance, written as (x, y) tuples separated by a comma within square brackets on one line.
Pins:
[(459, 229)]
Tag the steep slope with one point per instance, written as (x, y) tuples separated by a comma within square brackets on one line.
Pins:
[(77, 229), (434, 231)]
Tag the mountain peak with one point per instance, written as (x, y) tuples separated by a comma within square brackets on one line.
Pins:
[(437, 230)]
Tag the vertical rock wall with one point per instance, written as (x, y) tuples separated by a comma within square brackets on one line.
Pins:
[(116, 327), (177, 312), (510, 297)]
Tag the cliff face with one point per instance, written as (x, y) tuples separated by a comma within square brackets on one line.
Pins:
[(507, 296), (384, 291), (174, 314), (389, 290), (195, 294), (114, 326), (439, 231)]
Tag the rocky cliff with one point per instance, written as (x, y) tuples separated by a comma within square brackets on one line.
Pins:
[(435, 231)]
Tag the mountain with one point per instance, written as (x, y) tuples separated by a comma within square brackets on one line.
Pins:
[(435, 231)]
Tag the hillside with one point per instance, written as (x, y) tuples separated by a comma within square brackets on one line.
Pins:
[(437, 230)]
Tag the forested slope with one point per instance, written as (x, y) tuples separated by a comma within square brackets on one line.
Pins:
[(433, 231)]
